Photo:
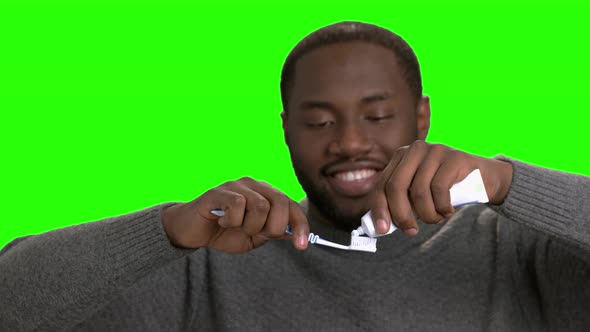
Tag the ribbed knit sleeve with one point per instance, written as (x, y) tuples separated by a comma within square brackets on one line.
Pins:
[(55, 280), (550, 201)]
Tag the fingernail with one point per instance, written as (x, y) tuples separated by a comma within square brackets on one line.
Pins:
[(301, 240), (411, 231), (383, 224)]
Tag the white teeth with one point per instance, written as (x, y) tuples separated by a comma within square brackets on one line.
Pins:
[(357, 175)]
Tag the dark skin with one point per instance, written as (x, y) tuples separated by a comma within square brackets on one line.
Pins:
[(356, 136), (350, 105), (348, 112)]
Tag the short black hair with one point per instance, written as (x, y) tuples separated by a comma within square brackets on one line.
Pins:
[(350, 31)]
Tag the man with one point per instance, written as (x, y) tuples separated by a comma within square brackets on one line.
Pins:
[(355, 121)]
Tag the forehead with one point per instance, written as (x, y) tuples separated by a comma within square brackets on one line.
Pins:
[(347, 70)]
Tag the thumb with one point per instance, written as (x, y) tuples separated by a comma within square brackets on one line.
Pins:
[(380, 213)]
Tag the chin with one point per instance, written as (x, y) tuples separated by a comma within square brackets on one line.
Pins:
[(350, 218), (347, 216), (346, 212)]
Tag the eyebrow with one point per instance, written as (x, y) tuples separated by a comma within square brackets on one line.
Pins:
[(376, 98), (312, 104), (316, 104)]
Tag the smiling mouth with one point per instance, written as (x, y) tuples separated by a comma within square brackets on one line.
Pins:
[(353, 183), (356, 175)]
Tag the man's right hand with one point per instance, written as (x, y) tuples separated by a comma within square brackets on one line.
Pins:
[(254, 212)]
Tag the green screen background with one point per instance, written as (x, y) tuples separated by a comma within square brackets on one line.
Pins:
[(108, 109)]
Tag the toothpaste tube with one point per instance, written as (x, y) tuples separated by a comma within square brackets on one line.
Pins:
[(470, 190)]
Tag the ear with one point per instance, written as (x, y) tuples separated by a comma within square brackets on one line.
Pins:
[(423, 117), (284, 122)]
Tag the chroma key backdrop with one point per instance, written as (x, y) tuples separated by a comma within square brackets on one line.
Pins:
[(108, 108)]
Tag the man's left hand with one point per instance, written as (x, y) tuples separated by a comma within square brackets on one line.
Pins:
[(417, 180)]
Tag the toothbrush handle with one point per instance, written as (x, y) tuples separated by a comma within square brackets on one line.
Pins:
[(328, 243)]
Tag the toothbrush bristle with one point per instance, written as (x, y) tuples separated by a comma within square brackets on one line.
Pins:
[(363, 243)]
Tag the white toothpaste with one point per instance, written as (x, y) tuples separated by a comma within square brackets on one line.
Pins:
[(469, 190)]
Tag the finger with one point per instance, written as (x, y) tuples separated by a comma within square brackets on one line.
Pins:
[(233, 211), (420, 193), (257, 209), (397, 188), (278, 215), (299, 225), (448, 174), (396, 158), (230, 202), (379, 205), (380, 212)]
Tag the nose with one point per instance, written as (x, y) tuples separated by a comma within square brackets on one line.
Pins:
[(351, 141)]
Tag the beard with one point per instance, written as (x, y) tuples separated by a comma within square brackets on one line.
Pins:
[(341, 214)]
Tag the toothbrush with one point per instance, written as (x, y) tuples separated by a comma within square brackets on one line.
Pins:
[(357, 243)]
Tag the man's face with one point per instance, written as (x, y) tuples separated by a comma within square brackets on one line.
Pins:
[(349, 109)]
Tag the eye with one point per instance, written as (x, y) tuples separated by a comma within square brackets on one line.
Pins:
[(319, 124), (379, 118)]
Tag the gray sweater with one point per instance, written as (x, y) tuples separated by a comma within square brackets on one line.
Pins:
[(521, 266)]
